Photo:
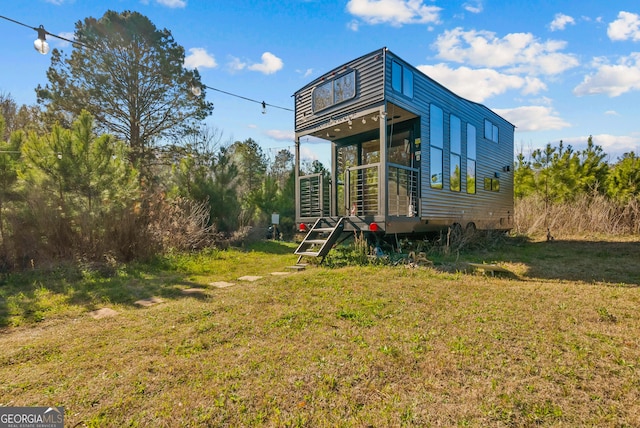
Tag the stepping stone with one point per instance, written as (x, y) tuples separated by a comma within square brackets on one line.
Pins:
[(103, 313), (221, 284), (280, 273), (297, 267), (249, 278), (193, 291), (149, 302)]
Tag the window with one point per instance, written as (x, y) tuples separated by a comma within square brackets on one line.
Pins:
[(436, 141), (490, 131), (396, 76), (335, 91), (399, 150), (455, 141), (492, 184), (471, 159), (454, 173), (401, 79)]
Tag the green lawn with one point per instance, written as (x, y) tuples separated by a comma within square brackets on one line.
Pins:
[(554, 343)]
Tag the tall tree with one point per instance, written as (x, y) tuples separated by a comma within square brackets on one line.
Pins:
[(225, 206), (9, 159), (251, 162), (623, 181), (85, 179), (282, 166), (130, 76)]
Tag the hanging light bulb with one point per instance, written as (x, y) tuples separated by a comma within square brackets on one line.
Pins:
[(40, 44), (264, 108), (196, 89)]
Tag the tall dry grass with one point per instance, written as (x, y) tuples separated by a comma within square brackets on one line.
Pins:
[(41, 234), (586, 214)]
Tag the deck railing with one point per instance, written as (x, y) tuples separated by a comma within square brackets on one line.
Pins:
[(364, 191), (315, 196), (402, 191)]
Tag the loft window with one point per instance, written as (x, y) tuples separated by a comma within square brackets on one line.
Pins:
[(401, 79), (490, 131), (335, 91)]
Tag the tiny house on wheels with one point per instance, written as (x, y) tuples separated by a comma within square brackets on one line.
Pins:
[(407, 155)]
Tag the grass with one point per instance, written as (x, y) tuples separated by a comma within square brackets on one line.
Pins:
[(554, 344)]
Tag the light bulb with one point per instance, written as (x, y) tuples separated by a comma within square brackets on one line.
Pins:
[(41, 46), (196, 90)]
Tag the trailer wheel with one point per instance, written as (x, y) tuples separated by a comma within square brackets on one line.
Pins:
[(471, 228)]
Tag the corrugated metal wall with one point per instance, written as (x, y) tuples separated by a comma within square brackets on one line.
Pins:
[(485, 208), (369, 92)]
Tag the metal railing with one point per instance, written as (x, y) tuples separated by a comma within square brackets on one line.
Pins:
[(363, 184), (315, 196), (402, 191)]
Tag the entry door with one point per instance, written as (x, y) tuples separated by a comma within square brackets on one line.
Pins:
[(357, 190)]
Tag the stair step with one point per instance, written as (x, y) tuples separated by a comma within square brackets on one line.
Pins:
[(308, 253), (315, 241), (323, 229)]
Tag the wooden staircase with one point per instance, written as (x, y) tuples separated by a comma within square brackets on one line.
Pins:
[(320, 238)]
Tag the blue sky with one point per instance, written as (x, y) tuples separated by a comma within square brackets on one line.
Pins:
[(558, 70)]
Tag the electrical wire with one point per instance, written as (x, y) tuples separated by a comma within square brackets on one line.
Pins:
[(41, 28), (264, 104), (45, 31)]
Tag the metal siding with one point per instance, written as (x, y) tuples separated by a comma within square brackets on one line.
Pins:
[(442, 205), (369, 91)]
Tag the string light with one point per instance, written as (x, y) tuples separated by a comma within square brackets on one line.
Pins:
[(40, 44), (196, 89)]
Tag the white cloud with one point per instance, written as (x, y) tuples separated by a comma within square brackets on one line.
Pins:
[(520, 52), (305, 73), (394, 12), (612, 80), (479, 84), (269, 65), (172, 3), (199, 58), (280, 135), (236, 64), (473, 6), (613, 145), (353, 25), (560, 21), (626, 27), (67, 35), (611, 113), (533, 118), (306, 153)]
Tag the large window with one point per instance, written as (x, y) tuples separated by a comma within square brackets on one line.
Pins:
[(401, 79), (455, 144), (436, 141), (471, 159), (490, 131), (337, 90), (399, 150)]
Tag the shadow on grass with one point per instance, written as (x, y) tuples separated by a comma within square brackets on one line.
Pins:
[(36, 295), (614, 262)]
